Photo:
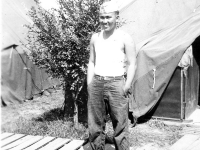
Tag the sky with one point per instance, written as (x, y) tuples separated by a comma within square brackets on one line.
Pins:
[(48, 4)]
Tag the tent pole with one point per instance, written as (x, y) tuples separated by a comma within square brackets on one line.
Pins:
[(183, 103)]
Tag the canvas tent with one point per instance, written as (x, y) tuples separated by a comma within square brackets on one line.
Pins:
[(162, 31), (20, 78)]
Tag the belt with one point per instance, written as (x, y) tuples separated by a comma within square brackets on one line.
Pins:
[(98, 77)]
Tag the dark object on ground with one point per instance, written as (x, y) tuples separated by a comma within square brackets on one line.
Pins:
[(109, 143), (107, 147), (133, 120)]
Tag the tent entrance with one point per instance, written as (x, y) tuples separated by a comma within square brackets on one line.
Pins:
[(181, 96), (196, 47)]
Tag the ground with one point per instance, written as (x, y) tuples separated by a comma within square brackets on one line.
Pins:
[(149, 135), (32, 108)]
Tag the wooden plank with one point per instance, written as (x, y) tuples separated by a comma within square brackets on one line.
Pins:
[(195, 145), (40, 143), (16, 143), (57, 143), (196, 148), (26, 144), (6, 135), (73, 145), (184, 142), (11, 139)]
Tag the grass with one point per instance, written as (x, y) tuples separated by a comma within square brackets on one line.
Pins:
[(51, 122), (154, 131)]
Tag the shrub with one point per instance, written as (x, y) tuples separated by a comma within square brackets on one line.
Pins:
[(58, 41)]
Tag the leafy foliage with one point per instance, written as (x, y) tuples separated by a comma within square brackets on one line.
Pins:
[(58, 41)]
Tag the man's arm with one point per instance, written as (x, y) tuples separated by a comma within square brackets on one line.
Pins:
[(90, 71), (131, 58)]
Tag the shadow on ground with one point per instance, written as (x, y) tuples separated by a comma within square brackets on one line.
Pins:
[(58, 114)]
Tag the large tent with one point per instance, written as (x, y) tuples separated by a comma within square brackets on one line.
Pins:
[(162, 31), (20, 78)]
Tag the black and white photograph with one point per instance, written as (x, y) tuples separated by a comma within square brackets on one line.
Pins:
[(100, 74)]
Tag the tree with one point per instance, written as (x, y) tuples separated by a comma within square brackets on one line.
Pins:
[(58, 41)]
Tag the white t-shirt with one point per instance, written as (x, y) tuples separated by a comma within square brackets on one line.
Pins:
[(110, 55)]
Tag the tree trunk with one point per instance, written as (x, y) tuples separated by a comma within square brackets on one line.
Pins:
[(69, 102), (76, 115), (76, 104)]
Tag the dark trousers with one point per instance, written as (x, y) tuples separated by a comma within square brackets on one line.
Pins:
[(110, 93)]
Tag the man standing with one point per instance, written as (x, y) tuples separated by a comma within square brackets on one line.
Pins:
[(112, 55)]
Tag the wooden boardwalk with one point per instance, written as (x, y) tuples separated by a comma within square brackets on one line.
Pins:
[(28, 142), (187, 142), (11, 141)]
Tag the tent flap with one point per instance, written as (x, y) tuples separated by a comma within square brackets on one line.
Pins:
[(21, 79), (157, 59)]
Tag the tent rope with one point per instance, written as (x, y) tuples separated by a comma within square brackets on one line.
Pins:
[(154, 78)]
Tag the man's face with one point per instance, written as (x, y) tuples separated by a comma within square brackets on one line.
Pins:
[(107, 20)]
